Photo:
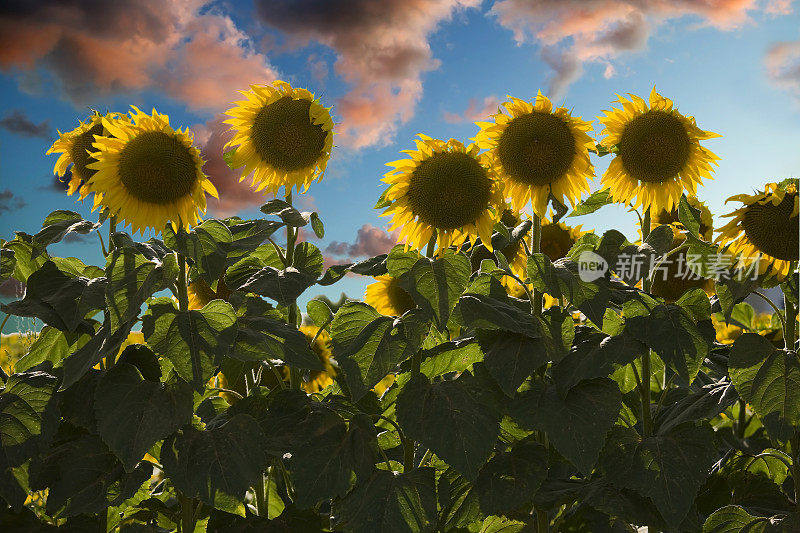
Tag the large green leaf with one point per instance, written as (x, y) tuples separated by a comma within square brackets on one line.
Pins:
[(703, 404), (59, 300), (260, 337), (216, 465), (391, 503), (592, 203), (51, 345), (324, 461), (194, 341), (436, 284), (484, 312), (668, 467), (511, 357), (670, 330), (510, 479), (577, 424), (283, 286), (374, 266), (458, 420), (133, 413), (132, 279), (28, 416), (769, 380), (458, 501), (596, 355), (104, 343), (83, 476), (206, 245), (734, 519), (58, 225), (379, 348)]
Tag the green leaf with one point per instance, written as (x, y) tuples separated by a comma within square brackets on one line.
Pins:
[(595, 201), (379, 347), (501, 524), (28, 416), (133, 413), (668, 467), (400, 260), (708, 402), (58, 225), (228, 158), (458, 501), (511, 357), (769, 380), (261, 337), (205, 245), (675, 337), (104, 343), (317, 225), (592, 406), (596, 355), (323, 462), (734, 519), (217, 465), (308, 260), (83, 477), (510, 479), (689, 216), (436, 284), (391, 503), (50, 345), (484, 312), (319, 313), (288, 214), (660, 239), (374, 266), (283, 286), (25, 263), (59, 300), (194, 341), (132, 279), (458, 420)]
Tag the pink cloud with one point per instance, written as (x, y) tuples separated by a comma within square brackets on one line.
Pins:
[(370, 241), (575, 32), (382, 48), (94, 48), (474, 111), (782, 62)]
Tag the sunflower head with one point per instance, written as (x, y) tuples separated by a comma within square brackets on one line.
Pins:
[(764, 231), (200, 293), (319, 379), (148, 173), (387, 297), (283, 137), (671, 217), (558, 238), (658, 153), (538, 151), (444, 190), (76, 147)]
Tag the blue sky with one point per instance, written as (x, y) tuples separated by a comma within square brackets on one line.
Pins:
[(391, 69)]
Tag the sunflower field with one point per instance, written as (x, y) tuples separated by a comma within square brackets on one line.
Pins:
[(507, 371)]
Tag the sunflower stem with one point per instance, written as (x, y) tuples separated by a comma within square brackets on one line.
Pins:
[(542, 522), (536, 247), (647, 420), (112, 229), (291, 239), (789, 324), (183, 293)]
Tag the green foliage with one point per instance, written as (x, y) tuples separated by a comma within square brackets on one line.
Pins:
[(473, 411)]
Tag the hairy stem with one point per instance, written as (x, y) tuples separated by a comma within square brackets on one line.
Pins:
[(790, 323), (647, 420), (536, 247)]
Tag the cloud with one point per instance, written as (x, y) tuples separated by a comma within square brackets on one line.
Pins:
[(572, 33), (94, 48), (474, 111), (10, 202), (16, 121), (782, 62), (382, 51), (370, 241)]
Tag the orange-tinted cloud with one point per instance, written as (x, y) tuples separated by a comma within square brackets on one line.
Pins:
[(370, 241), (782, 62), (96, 47), (601, 30), (475, 111), (382, 49)]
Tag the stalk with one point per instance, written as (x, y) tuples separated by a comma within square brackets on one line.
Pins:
[(536, 247), (291, 240), (647, 420), (790, 324)]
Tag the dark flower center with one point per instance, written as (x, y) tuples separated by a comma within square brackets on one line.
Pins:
[(157, 168), (772, 229), (449, 190), (79, 152), (556, 241), (654, 147), (285, 137), (536, 148)]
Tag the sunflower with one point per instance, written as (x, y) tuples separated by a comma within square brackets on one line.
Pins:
[(557, 240), (658, 153), (387, 297), (318, 379), (200, 293), (75, 146), (538, 151), (148, 173), (283, 137), (676, 279), (765, 230), (444, 191)]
